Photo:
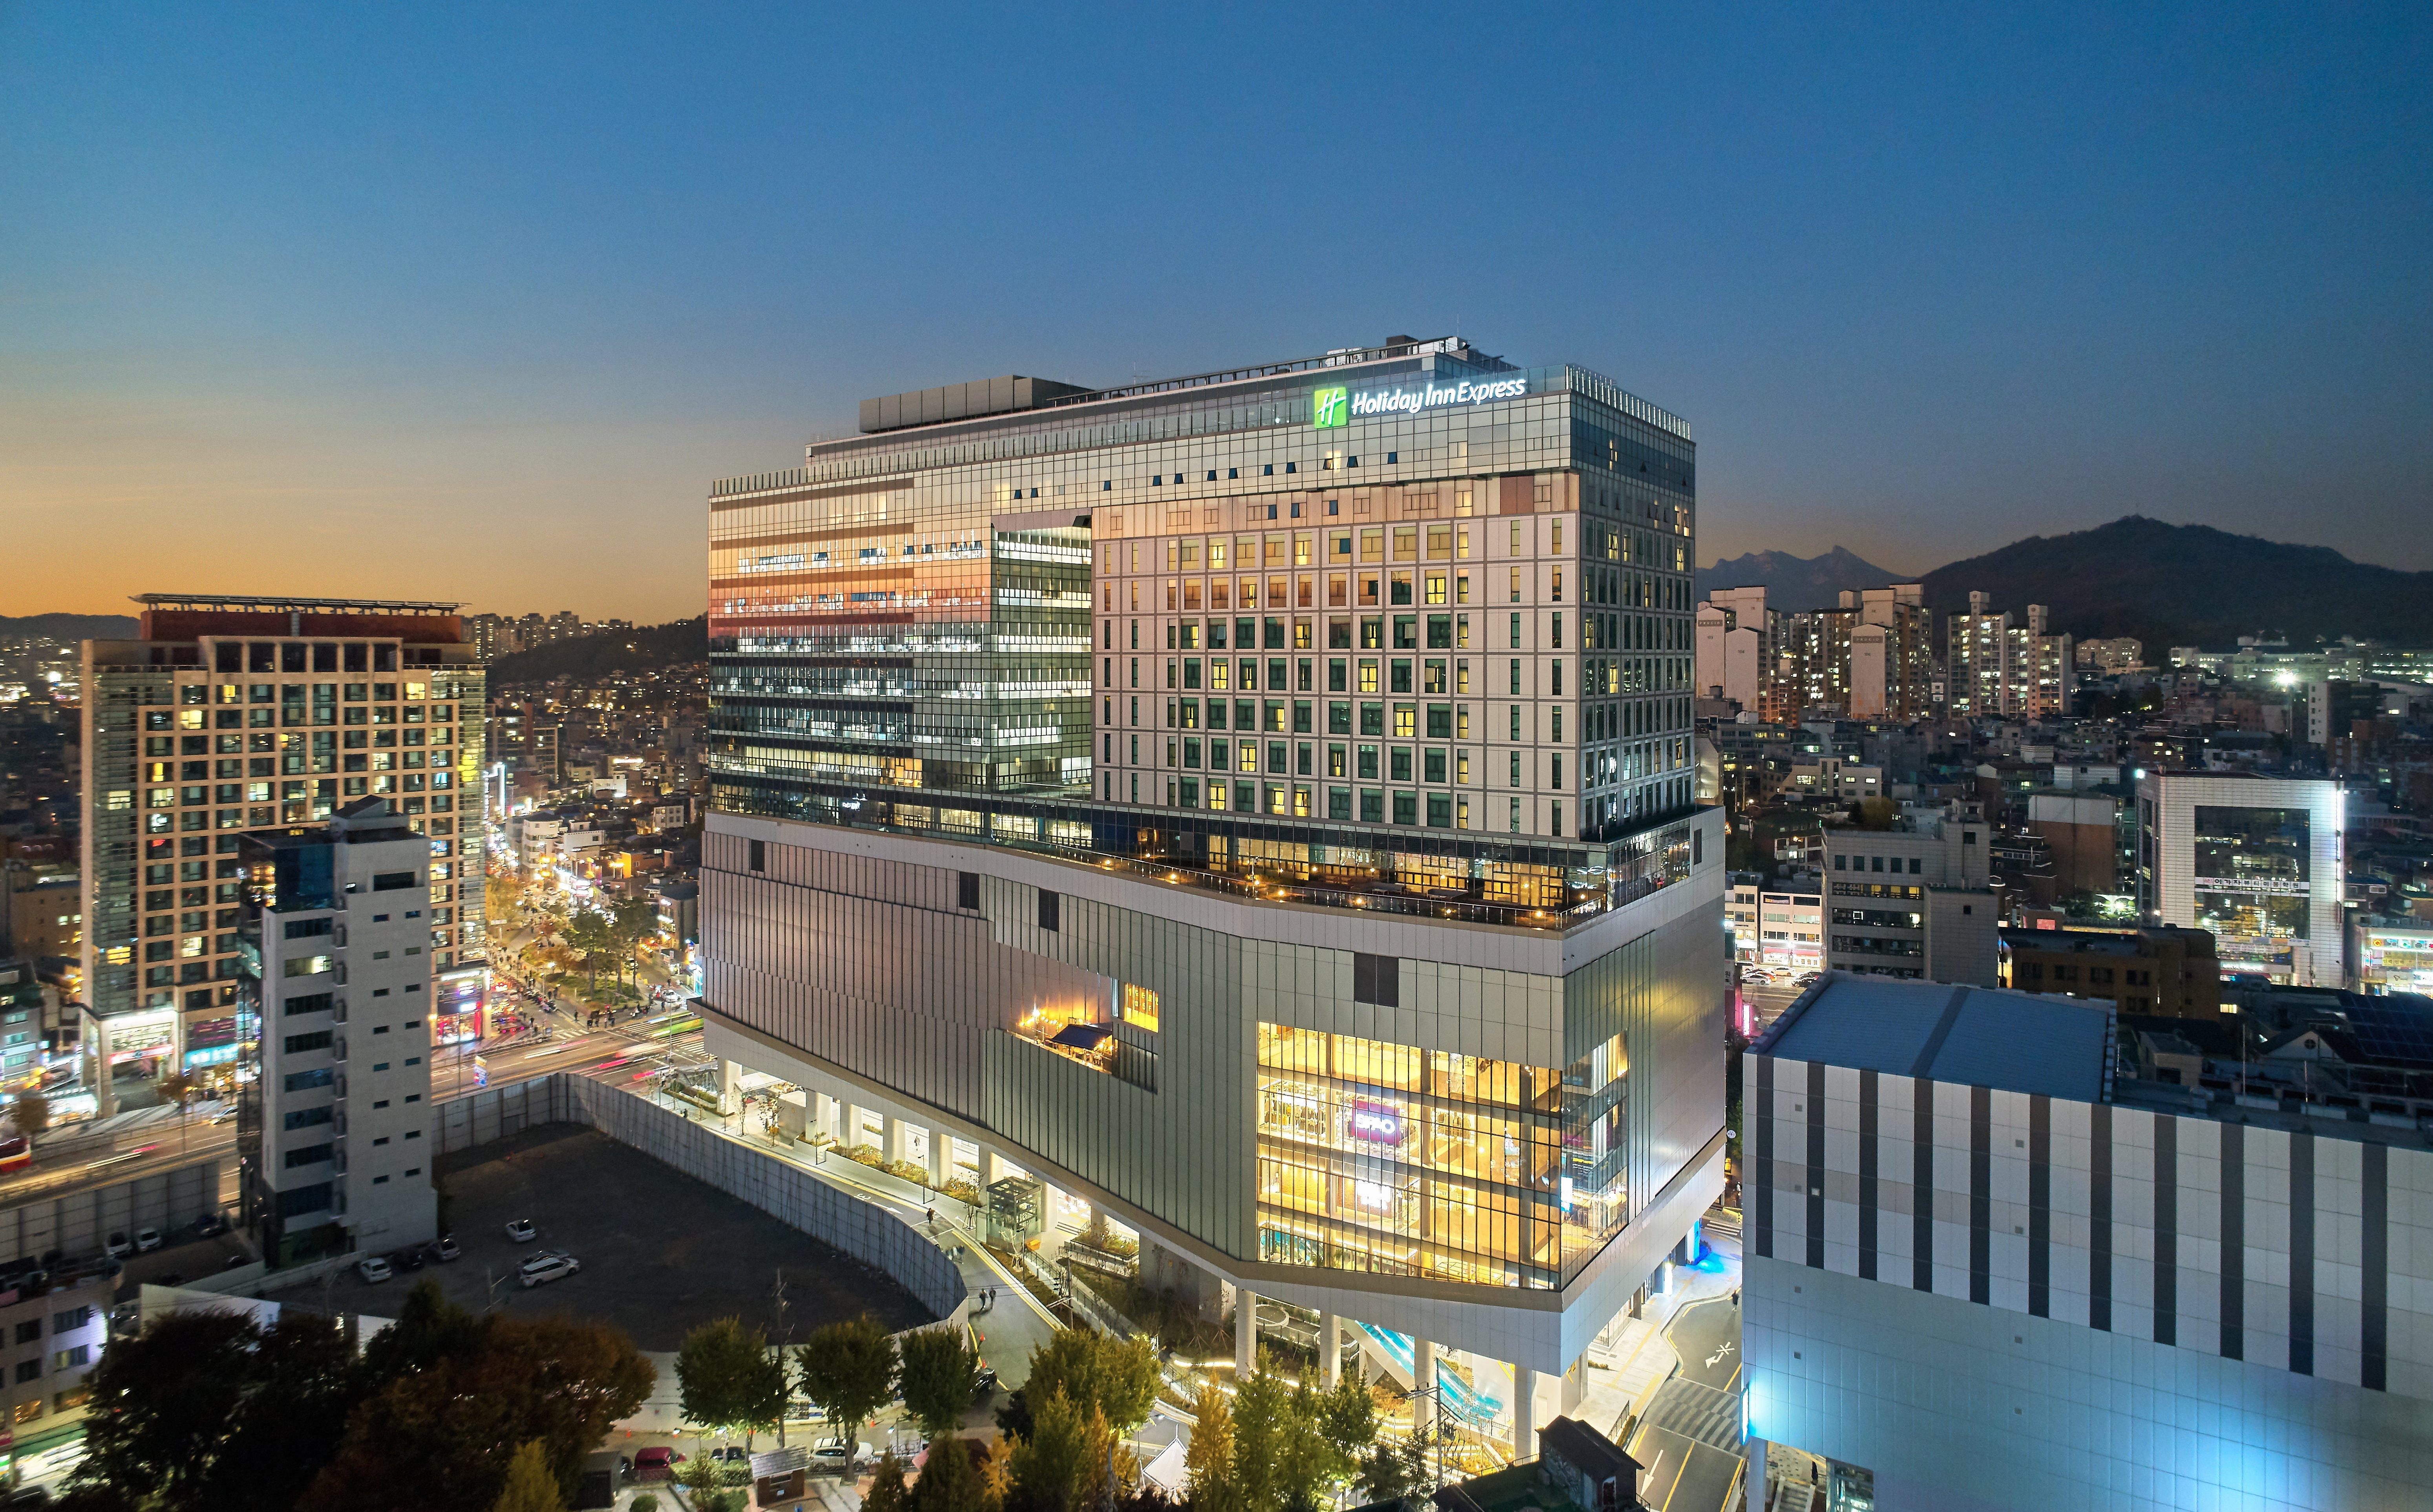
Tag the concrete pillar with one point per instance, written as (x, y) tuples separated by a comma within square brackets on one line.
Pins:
[(1245, 1333), (730, 1092), (1575, 1385), (848, 1124), (1757, 1486), (1687, 1250), (1423, 1376), (824, 1114), (941, 1157), (105, 1095), (1524, 1412), (992, 1168), (1329, 1350)]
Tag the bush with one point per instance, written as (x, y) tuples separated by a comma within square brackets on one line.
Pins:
[(917, 1175), (962, 1191), (644, 1502), (864, 1154), (733, 1474)]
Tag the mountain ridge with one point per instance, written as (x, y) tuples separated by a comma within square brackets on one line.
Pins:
[(1798, 583)]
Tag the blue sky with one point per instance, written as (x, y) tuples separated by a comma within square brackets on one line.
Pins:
[(473, 302)]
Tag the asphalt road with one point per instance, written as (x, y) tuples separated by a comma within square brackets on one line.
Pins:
[(1707, 1335), (1682, 1475)]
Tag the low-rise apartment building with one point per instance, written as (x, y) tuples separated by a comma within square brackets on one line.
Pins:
[(2156, 970)]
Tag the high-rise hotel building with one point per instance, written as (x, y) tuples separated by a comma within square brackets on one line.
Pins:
[(227, 717), (1259, 802)]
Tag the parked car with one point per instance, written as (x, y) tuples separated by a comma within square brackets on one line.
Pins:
[(656, 1463), (542, 1269), (373, 1268), (445, 1247), (984, 1383), (209, 1224), (521, 1229), (836, 1454), (409, 1259), (147, 1240), (118, 1248), (731, 1454)]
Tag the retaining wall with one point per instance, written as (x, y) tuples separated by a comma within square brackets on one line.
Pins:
[(78, 1223), (786, 1192)]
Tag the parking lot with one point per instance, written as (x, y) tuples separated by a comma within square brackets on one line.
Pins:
[(661, 1253)]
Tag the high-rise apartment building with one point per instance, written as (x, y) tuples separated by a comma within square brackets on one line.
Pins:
[(1258, 803), (1736, 636), (2257, 860), (233, 716), (333, 1137), (1995, 667)]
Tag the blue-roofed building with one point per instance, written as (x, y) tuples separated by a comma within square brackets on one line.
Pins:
[(1987, 1267)]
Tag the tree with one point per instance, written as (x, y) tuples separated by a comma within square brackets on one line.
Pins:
[(1208, 1462), (1120, 1376), (305, 1382), (949, 1481), (1062, 1465), (630, 921), (1347, 1419), (530, 1486), (887, 1492), (727, 1379), (936, 1378), (428, 1327), (587, 932), (161, 1403), (443, 1435), (499, 891), (1286, 1452), (848, 1371), (31, 1113), (1397, 1469)]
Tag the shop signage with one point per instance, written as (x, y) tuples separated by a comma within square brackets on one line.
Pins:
[(1376, 1123), (1437, 396)]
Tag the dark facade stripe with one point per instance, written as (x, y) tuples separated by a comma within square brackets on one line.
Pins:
[(2234, 1241), (2040, 1206), (1867, 1175), (2166, 1230), (2099, 1217), (1762, 1210), (1981, 1195), (2302, 1253), (2373, 1282), (1816, 1165), (1922, 1183)]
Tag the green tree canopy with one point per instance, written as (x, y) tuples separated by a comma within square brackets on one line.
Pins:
[(936, 1377), (1208, 1460), (848, 1370), (887, 1492), (428, 1329), (443, 1436), (728, 1379), (949, 1481), (1119, 1377)]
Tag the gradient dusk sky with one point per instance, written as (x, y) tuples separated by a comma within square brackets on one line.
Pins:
[(473, 302)]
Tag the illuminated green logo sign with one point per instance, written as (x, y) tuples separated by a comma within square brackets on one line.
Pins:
[(1330, 406)]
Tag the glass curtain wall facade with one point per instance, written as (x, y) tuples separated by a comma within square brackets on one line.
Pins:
[(1404, 628)]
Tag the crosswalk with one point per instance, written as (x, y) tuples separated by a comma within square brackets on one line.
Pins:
[(1695, 1412)]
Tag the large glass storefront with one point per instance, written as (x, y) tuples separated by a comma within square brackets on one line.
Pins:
[(2253, 885), (1392, 1159)]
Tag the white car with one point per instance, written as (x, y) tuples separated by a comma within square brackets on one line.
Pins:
[(540, 1269), (374, 1268), (147, 1240), (835, 1454), (521, 1229)]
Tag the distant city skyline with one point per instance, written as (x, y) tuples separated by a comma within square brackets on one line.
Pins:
[(532, 280)]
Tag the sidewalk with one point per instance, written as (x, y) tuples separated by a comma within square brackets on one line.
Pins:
[(1635, 1356)]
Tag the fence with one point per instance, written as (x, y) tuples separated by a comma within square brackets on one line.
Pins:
[(77, 1224), (785, 1191)]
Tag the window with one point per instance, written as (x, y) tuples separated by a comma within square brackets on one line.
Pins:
[(306, 1044), (391, 881), (308, 1155), (307, 1081), (305, 928), (759, 859), (1051, 908), (29, 1369), (70, 1358), (307, 1117), (310, 1003), (1377, 979)]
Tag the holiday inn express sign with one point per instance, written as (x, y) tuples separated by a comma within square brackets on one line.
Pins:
[(1335, 406)]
